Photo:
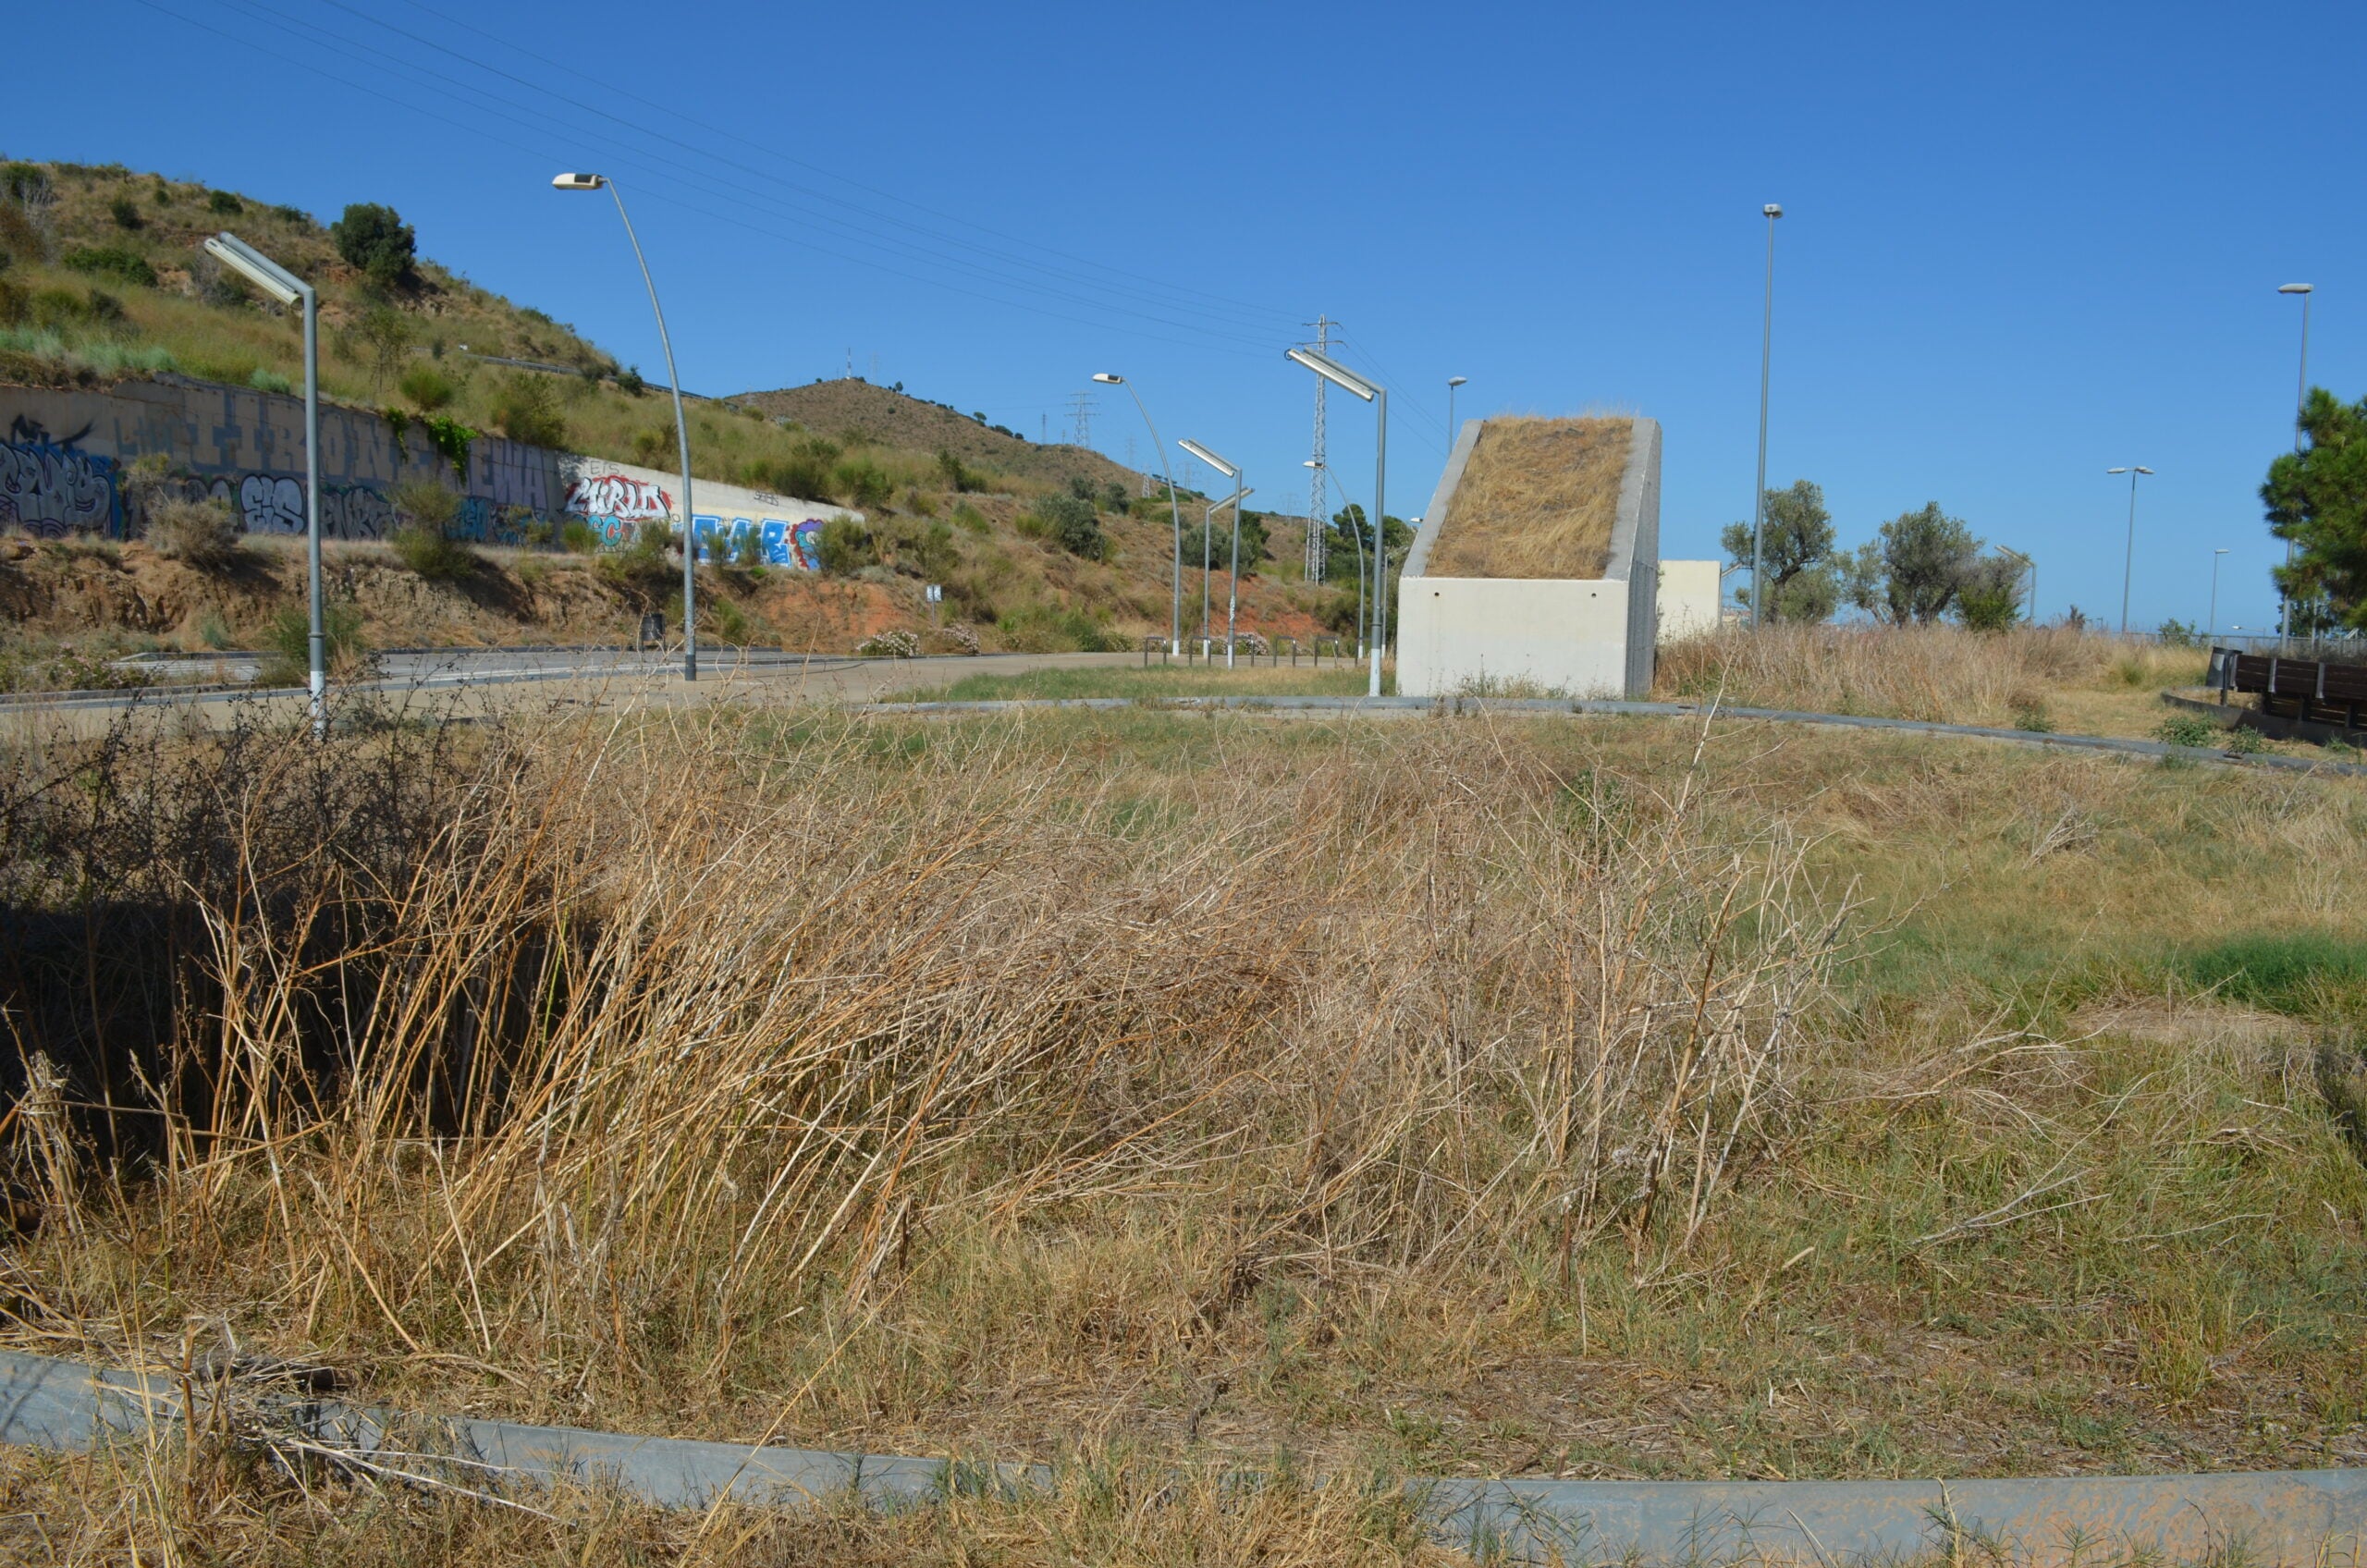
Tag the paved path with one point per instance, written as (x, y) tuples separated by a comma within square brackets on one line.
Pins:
[(482, 679)]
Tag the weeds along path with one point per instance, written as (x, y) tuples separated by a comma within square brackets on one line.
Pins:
[(1470, 1096)]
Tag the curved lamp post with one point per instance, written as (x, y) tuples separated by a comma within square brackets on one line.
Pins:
[(1232, 590), (2129, 566), (289, 289), (2300, 407), (2009, 550), (1355, 386), (1175, 616), (681, 426)]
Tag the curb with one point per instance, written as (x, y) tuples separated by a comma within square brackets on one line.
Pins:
[(2284, 1516)]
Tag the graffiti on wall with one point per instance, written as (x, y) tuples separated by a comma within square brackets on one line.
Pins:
[(484, 521), (50, 487), (780, 543), (617, 504)]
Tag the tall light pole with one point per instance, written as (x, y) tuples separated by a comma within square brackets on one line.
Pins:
[(2128, 565), (1348, 507), (1232, 595), (682, 425), (2300, 407), (1355, 386), (1175, 616), (1759, 494), (2210, 623), (1452, 382), (289, 289), (2009, 550)]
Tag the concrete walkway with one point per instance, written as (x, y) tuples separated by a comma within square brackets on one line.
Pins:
[(2315, 1517)]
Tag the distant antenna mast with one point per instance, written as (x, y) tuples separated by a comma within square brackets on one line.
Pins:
[(850, 363), (1081, 413), (1317, 485)]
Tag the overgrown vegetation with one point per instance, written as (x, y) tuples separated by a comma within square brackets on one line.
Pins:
[(1403, 1096)]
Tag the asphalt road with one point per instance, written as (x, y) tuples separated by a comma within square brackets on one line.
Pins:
[(206, 686)]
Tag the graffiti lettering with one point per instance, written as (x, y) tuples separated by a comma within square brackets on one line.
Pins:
[(272, 504), (619, 497), (48, 488), (355, 511)]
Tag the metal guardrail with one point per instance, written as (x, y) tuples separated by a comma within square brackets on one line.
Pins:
[(2314, 690)]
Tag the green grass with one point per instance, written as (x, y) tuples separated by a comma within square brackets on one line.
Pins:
[(2303, 974)]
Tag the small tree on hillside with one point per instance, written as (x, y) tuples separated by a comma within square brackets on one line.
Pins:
[(1795, 546), (2317, 498), (375, 240)]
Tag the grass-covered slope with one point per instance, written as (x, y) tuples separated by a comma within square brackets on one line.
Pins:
[(102, 277)]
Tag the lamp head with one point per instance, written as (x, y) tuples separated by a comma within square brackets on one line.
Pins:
[(256, 268), (1457, 380), (2143, 469), (2115, 471), (1110, 378), (1211, 459), (578, 181), (2296, 287), (1773, 209), (1338, 374)]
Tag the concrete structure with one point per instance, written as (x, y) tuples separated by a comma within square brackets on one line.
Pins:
[(62, 459), (1582, 637), (1689, 600)]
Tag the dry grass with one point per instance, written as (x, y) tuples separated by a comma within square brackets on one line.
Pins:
[(217, 1505), (1432, 1096), (1539, 499), (1941, 673)]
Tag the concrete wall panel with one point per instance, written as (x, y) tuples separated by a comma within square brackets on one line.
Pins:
[(61, 461), (1689, 600)]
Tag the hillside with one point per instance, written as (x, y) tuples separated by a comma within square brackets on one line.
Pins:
[(102, 279), (884, 415)]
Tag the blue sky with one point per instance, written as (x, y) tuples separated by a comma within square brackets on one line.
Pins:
[(2023, 244)]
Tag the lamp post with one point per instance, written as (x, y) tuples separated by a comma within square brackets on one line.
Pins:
[(1175, 616), (1232, 592), (289, 289), (2300, 407), (1759, 495), (2009, 550), (1452, 382), (2210, 622), (681, 426), (1348, 505), (2128, 565), (1356, 385)]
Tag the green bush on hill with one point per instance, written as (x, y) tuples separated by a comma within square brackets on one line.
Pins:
[(375, 241), (119, 262)]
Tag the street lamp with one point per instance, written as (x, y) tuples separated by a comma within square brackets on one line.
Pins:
[(1233, 593), (1175, 617), (1759, 495), (289, 289), (1356, 385), (2129, 566), (681, 426), (1347, 505), (1452, 382), (2300, 407), (2210, 623), (2009, 550)]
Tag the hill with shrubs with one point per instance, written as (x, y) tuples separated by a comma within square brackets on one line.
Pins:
[(103, 277)]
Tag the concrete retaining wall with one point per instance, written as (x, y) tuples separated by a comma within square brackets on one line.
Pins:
[(1689, 600), (62, 462), (1586, 637)]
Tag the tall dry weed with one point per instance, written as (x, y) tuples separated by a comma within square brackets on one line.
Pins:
[(1944, 674), (647, 1064)]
